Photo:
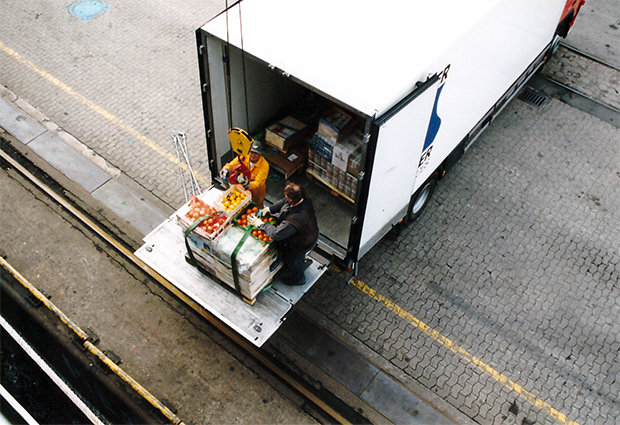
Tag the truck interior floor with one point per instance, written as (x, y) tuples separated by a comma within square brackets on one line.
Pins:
[(333, 214)]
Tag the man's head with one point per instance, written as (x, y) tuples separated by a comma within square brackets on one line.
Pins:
[(255, 151), (254, 157), (293, 193)]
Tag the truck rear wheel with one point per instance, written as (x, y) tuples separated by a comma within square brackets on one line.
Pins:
[(420, 199)]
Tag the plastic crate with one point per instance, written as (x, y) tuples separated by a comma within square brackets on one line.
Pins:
[(243, 211), (185, 222), (248, 198)]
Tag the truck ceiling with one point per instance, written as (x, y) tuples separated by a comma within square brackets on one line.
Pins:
[(367, 54)]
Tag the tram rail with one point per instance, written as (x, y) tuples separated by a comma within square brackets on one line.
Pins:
[(553, 88), (293, 381), (588, 56)]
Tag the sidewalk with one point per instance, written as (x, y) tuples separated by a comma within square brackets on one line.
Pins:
[(58, 150)]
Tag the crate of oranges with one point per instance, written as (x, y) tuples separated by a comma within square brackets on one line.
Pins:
[(233, 200), (261, 236), (242, 220)]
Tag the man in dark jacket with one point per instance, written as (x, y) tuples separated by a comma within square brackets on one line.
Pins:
[(296, 232)]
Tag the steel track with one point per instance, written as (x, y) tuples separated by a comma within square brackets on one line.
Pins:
[(588, 56), (290, 379)]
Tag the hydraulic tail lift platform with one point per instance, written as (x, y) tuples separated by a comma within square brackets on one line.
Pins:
[(164, 251)]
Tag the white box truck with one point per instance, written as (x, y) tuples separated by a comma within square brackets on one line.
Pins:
[(422, 80), (418, 81)]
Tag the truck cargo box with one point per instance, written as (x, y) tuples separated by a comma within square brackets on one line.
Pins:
[(417, 80)]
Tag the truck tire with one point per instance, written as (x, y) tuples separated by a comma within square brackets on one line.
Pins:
[(420, 198)]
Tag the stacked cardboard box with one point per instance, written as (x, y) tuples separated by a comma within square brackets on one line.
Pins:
[(334, 124), (320, 146), (332, 176), (348, 152), (334, 154), (288, 155), (332, 127), (342, 181), (285, 133)]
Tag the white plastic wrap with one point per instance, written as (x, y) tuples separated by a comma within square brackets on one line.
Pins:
[(249, 253)]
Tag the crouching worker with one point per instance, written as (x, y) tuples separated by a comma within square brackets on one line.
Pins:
[(296, 232), (251, 172)]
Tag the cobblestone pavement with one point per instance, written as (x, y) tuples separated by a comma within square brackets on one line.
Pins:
[(597, 30), (121, 82), (590, 78), (515, 261)]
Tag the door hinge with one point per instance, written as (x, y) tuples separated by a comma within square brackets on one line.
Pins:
[(204, 87), (354, 219), (201, 49)]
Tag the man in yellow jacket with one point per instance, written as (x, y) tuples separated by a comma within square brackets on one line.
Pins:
[(259, 169)]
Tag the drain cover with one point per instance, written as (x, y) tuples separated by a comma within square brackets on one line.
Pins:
[(87, 9), (532, 97)]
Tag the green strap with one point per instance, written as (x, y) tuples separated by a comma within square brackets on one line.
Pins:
[(188, 231), (233, 259)]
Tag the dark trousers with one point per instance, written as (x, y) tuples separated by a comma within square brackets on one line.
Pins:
[(293, 270)]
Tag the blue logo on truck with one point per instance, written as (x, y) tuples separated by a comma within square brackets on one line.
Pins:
[(433, 125)]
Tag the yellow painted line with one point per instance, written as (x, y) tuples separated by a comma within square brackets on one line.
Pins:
[(463, 353), (99, 110), (146, 395), (133, 383)]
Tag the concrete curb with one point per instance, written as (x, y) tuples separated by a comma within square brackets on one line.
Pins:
[(80, 165)]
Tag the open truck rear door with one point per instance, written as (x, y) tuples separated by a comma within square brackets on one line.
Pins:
[(400, 135), (164, 251)]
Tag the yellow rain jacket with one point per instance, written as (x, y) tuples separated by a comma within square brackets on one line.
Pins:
[(258, 177)]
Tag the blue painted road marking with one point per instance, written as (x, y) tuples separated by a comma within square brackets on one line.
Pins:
[(87, 9)]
